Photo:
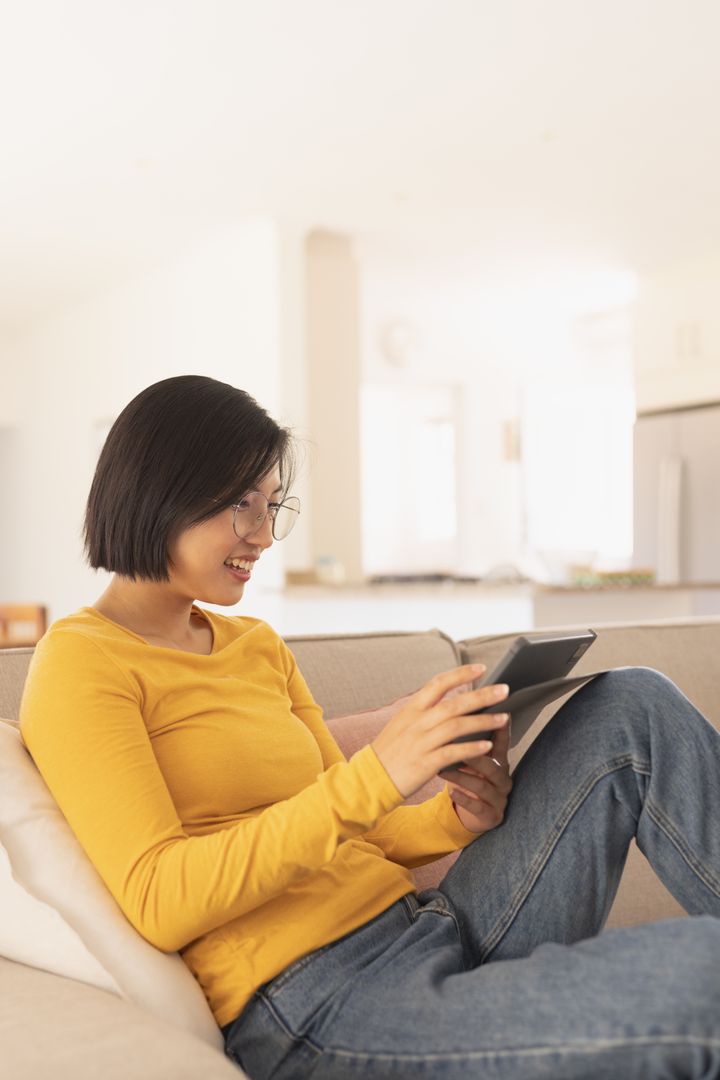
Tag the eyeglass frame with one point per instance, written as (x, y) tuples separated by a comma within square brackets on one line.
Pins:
[(271, 507)]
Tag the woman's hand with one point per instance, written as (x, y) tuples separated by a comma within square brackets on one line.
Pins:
[(480, 788), (413, 746)]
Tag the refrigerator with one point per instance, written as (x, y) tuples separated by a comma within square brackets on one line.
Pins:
[(676, 494)]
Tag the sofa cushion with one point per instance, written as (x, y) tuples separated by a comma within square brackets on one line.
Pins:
[(33, 932), (67, 1030), (69, 923), (347, 673)]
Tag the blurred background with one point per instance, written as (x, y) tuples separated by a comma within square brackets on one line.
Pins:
[(468, 250)]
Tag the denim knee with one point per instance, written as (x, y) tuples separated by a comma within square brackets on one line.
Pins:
[(636, 680), (635, 692), (639, 675), (696, 964)]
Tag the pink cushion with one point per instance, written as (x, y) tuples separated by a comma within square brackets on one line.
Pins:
[(356, 730)]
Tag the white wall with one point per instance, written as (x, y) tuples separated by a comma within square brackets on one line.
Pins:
[(217, 311)]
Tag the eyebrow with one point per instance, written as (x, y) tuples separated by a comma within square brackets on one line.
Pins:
[(277, 489)]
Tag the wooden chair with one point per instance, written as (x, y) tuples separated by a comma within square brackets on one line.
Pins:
[(21, 624)]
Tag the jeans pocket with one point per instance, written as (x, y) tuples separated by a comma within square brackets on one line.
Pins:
[(430, 902), (411, 904), (274, 986)]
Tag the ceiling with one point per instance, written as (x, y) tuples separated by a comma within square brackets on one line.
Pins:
[(515, 133)]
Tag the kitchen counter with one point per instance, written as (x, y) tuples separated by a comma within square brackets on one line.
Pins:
[(466, 610), (557, 604)]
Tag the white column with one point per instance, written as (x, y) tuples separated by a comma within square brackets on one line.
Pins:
[(333, 358)]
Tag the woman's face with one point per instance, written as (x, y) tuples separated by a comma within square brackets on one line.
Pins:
[(199, 557)]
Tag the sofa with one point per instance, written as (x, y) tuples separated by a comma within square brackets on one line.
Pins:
[(55, 1026)]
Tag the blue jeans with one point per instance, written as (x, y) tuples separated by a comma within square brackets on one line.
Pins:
[(502, 971)]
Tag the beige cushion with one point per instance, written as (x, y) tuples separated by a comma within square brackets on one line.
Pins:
[(32, 932), (65, 919), (59, 1029), (350, 672), (14, 665)]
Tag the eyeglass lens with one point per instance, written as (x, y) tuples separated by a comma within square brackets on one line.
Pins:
[(251, 510)]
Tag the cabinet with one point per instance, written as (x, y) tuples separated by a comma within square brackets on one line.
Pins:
[(680, 527), (677, 339)]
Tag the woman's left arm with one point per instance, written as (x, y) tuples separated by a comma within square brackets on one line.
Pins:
[(410, 835)]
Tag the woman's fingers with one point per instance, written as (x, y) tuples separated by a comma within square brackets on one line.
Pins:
[(501, 743), (459, 715), (487, 803), (463, 725), (478, 804), (419, 741), (434, 690), (484, 815), (477, 779), (432, 701)]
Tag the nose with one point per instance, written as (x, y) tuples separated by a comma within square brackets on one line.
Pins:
[(263, 534)]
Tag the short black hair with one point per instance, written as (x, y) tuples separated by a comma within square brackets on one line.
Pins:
[(180, 452)]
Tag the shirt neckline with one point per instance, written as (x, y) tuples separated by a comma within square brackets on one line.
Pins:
[(138, 637)]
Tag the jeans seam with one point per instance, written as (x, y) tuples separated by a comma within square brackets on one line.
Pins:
[(595, 1046), (666, 825), (275, 985), (540, 861)]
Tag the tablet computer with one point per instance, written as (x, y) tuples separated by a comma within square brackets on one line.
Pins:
[(537, 659), (530, 661)]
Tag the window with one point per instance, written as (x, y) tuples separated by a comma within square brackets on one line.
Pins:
[(410, 515)]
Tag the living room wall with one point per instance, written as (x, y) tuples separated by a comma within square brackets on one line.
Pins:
[(220, 310)]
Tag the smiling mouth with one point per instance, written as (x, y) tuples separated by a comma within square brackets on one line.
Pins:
[(240, 564)]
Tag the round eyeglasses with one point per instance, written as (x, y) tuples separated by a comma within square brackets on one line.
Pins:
[(251, 511)]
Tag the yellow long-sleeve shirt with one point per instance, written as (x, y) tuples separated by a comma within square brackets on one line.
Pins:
[(210, 796)]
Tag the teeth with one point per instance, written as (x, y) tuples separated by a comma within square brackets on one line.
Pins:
[(239, 564)]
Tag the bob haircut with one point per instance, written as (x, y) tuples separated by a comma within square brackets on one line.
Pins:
[(182, 451)]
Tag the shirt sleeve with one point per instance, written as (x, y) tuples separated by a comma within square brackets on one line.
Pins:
[(81, 720), (307, 709), (410, 835), (422, 832)]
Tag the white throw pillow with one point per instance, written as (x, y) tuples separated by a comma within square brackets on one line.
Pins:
[(33, 933), (56, 913)]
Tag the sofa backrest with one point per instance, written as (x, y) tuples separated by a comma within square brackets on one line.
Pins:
[(686, 650), (346, 673), (350, 672), (13, 669)]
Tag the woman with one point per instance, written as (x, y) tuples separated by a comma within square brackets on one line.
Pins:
[(191, 761)]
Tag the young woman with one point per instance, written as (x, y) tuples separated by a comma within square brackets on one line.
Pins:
[(191, 761)]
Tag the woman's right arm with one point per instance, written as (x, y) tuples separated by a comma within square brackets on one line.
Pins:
[(82, 722)]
